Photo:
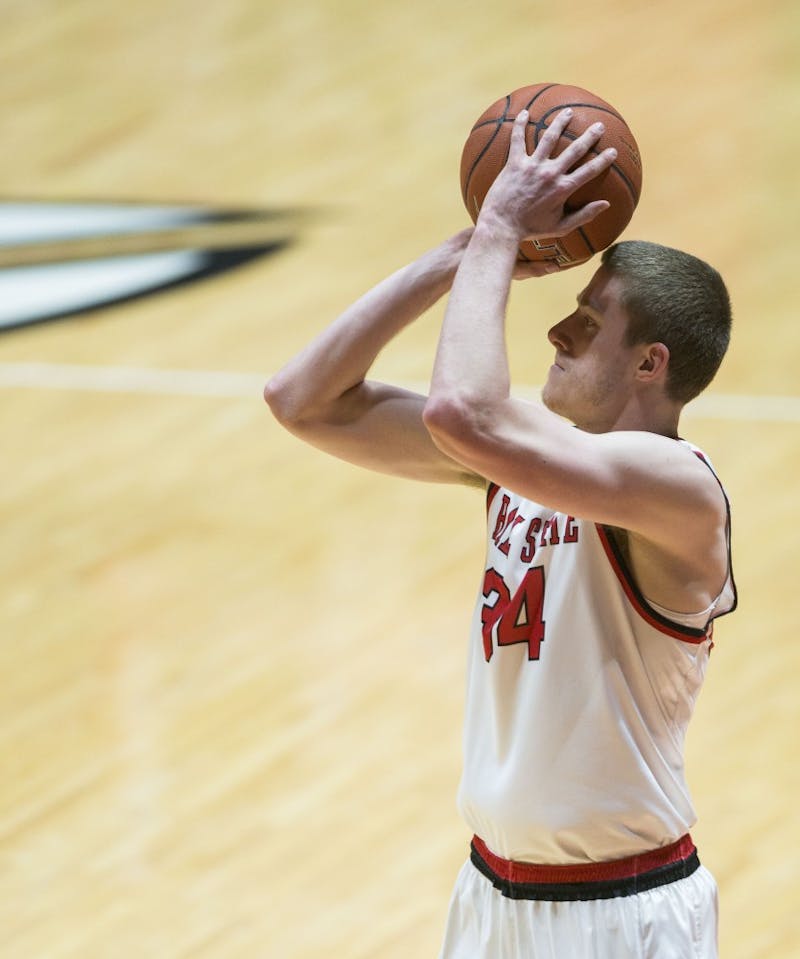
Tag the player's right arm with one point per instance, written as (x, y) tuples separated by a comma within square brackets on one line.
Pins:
[(323, 397)]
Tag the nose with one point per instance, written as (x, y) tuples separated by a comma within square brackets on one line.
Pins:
[(559, 336)]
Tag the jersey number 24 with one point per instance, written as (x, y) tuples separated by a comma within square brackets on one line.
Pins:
[(513, 619)]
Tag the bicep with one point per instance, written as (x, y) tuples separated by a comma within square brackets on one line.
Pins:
[(380, 427), (636, 480)]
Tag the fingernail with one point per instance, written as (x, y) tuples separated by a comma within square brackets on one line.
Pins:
[(599, 127)]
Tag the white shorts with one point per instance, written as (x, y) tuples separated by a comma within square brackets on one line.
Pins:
[(677, 920)]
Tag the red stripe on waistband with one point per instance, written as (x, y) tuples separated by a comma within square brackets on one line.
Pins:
[(528, 872)]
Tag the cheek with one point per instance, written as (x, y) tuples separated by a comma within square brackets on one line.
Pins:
[(615, 372), (598, 378)]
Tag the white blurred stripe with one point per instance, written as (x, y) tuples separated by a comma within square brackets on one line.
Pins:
[(29, 293), (47, 222), (166, 382)]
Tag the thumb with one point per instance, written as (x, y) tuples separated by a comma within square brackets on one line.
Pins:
[(582, 216), (526, 269)]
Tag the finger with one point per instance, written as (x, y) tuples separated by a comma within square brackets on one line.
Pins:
[(517, 143), (592, 168), (552, 134), (580, 146)]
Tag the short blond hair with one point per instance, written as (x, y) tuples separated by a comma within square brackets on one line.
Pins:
[(676, 299)]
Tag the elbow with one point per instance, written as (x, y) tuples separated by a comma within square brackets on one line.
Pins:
[(273, 396), (278, 397), (440, 414), (451, 422), (466, 426)]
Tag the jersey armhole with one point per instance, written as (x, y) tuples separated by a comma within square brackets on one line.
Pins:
[(687, 634)]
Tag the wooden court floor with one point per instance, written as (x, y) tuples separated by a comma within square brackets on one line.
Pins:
[(233, 669)]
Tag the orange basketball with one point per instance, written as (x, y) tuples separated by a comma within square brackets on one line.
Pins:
[(486, 151)]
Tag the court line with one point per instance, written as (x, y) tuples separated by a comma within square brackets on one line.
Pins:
[(130, 379), (232, 385)]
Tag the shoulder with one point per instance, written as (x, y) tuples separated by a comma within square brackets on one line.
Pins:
[(669, 461)]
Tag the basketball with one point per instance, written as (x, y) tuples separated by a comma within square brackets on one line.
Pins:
[(486, 150)]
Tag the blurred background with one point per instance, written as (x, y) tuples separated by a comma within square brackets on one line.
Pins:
[(232, 668)]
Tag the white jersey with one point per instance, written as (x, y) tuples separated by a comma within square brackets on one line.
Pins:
[(579, 694)]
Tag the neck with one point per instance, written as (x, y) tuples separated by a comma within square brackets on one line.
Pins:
[(664, 425), (661, 418)]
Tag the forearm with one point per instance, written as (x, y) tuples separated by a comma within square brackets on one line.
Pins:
[(528, 198), (471, 359), (339, 358)]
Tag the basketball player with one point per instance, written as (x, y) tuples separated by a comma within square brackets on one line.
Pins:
[(608, 560)]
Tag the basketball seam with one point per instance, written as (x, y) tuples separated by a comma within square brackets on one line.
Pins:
[(587, 241), (541, 92)]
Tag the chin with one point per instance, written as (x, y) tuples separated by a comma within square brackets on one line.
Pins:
[(556, 404), (550, 399)]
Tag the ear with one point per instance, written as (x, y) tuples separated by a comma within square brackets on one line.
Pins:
[(653, 363)]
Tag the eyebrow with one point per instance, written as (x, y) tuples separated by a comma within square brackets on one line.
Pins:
[(583, 301)]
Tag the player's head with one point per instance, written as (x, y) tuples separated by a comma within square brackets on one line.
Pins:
[(676, 299)]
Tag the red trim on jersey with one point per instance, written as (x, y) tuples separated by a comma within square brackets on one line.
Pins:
[(629, 868), (491, 492), (703, 459), (686, 634)]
